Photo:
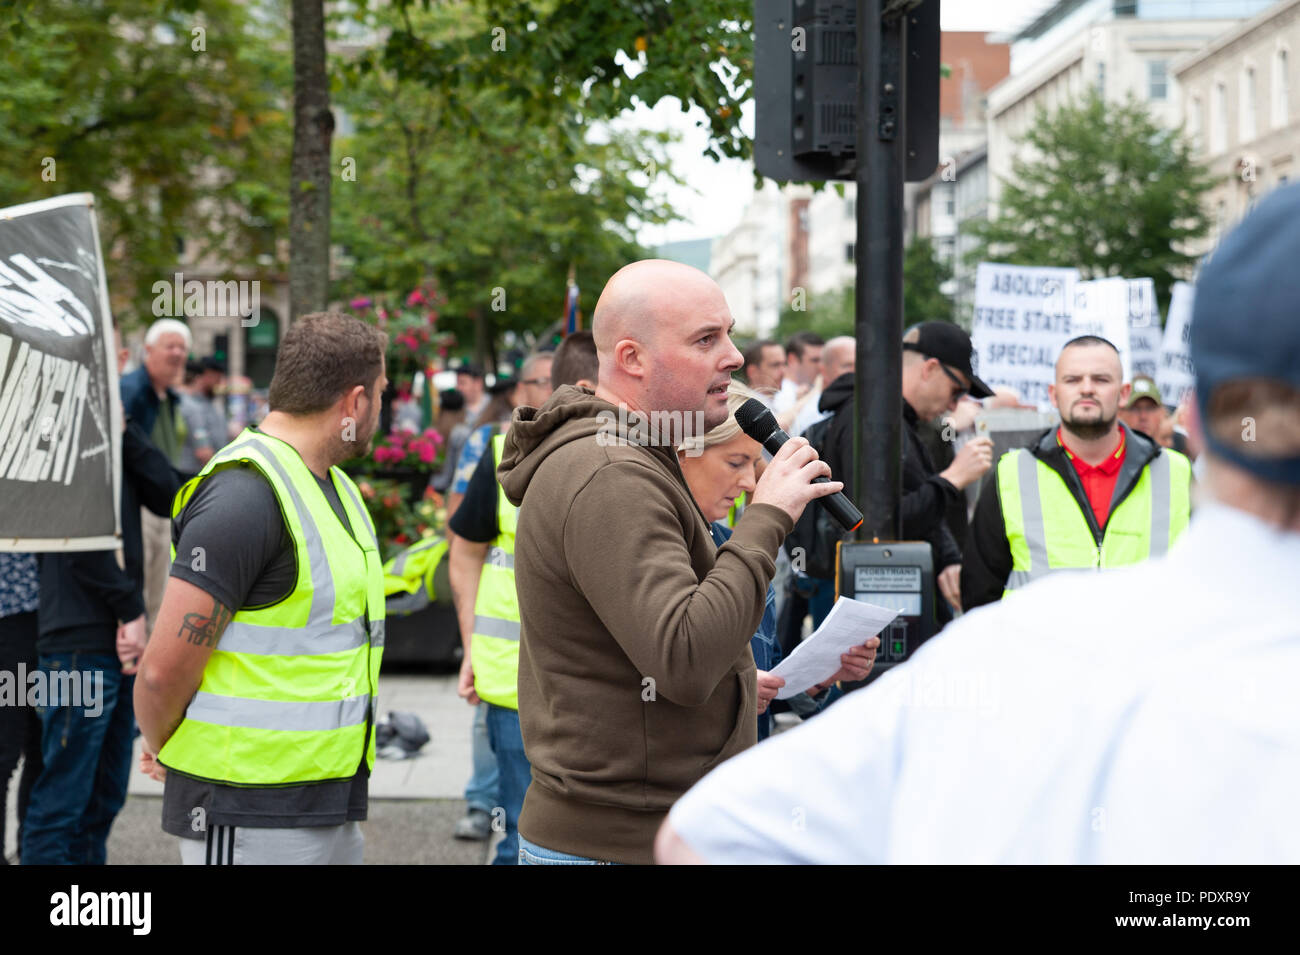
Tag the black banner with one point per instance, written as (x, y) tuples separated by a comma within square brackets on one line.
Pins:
[(60, 419)]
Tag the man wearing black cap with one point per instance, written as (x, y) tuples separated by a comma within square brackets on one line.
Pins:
[(1082, 721), (936, 374)]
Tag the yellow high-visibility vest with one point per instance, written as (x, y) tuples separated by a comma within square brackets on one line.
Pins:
[(289, 693), (1047, 531), (494, 645)]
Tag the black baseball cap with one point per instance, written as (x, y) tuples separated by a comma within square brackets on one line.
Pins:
[(469, 368), (950, 345), (1244, 318)]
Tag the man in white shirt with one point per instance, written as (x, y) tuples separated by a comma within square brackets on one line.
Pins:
[(803, 366), (1084, 721)]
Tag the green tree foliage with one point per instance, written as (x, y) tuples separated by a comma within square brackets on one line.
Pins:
[(924, 275), (172, 114), (1102, 188), (491, 201), (831, 313), (570, 55)]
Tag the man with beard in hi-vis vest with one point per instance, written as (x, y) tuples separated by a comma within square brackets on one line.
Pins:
[(257, 693), (1091, 493)]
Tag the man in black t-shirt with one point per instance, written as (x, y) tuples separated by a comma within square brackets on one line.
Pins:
[(235, 557)]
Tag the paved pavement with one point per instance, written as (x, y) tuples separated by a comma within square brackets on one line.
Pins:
[(414, 803)]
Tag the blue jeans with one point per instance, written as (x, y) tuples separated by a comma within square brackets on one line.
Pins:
[(86, 746), (514, 773), (481, 792), (530, 853)]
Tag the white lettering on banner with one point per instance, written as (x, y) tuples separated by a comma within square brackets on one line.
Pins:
[(1023, 315), (31, 296), (1101, 308), (41, 400), (1144, 331), (1175, 377)]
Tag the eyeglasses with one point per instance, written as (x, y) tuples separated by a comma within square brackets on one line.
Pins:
[(960, 391)]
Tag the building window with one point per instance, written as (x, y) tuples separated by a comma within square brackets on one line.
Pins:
[(950, 201), (1246, 106), (849, 209), (1281, 88), (1219, 119), (848, 252), (1101, 79), (1157, 80), (1194, 122)]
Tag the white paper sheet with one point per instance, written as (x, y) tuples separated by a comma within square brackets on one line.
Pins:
[(850, 623)]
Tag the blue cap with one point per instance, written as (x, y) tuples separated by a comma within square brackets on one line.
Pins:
[(1246, 317)]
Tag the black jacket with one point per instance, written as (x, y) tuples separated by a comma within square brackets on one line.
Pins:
[(926, 496), (987, 566), (85, 595)]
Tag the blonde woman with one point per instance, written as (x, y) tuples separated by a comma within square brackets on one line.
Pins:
[(720, 467)]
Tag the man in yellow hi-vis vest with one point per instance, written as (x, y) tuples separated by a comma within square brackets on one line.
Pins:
[(483, 582), (1091, 493), (257, 693)]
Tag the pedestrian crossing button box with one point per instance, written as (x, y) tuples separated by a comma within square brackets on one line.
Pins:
[(898, 575)]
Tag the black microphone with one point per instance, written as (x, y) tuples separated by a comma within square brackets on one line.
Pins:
[(760, 424)]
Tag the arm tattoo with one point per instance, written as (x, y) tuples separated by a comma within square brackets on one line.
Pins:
[(205, 629)]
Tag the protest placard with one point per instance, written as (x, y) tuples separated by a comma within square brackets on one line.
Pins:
[(1175, 377), (1101, 308), (60, 419), (1144, 331), (1022, 318)]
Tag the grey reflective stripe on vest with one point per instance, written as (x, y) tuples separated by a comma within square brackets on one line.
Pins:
[(277, 714), (1161, 491), (496, 557), (356, 502), (376, 633), (496, 627), (1031, 519), (241, 637), (399, 564)]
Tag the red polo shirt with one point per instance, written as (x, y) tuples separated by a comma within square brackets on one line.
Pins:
[(1098, 482)]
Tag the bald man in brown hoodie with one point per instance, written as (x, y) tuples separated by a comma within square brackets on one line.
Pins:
[(635, 673)]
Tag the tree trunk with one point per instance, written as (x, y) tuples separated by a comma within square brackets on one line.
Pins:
[(309, 169)]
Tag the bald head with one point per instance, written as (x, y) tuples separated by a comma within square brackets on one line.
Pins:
[(662, 332), (839, 356), (641, 297)]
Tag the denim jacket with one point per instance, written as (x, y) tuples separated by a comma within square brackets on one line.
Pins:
[(767, 653)]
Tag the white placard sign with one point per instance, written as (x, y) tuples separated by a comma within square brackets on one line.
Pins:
[(1101, 308), (1175, 377), (1144, 332), (1022, 318)]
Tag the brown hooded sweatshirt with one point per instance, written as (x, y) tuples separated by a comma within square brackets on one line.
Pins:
[(635, 673)]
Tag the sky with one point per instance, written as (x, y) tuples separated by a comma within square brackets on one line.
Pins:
[(714, 197)]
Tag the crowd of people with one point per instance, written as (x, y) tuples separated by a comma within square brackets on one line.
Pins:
[(623, 600)]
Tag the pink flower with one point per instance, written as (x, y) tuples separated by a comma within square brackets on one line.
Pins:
[(415, 298), (425, 450), (360, 303)]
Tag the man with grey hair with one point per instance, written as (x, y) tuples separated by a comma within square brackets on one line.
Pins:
[(150, 398)]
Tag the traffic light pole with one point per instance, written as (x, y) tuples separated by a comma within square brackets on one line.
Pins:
[(878, 297)]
